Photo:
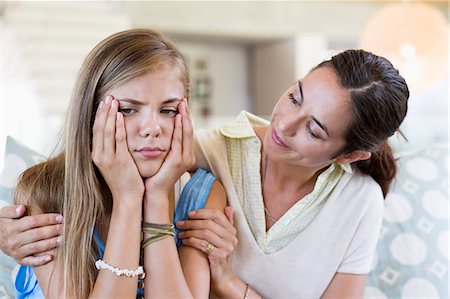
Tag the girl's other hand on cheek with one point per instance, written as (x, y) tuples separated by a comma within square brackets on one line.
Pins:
[(180, 157)]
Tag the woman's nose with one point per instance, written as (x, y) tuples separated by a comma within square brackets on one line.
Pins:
[(289, 124), (150, 127)]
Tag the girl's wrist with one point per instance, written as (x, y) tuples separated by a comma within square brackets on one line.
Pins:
[(156, 209)]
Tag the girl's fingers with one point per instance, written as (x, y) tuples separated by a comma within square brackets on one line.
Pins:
[(204, 225), (187, 132), (99, 125), (109, 142), (177, 137), (121, 136)]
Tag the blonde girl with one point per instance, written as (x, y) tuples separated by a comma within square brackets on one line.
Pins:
[(128, 139)]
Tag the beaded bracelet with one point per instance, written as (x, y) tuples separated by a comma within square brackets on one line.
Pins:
[(101, 265)]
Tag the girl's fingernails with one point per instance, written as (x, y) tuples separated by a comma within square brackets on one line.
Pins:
[(119, 116), (191, 213), (180, 223), (181, 234), (47, 258), (100, 105), (58, 240), (59, 218), (108, 100)]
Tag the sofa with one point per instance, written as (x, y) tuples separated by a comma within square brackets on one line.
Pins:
[(412, 256)]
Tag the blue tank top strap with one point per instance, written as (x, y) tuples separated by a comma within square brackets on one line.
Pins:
[(99, 242), (193, 196), (26, 284)]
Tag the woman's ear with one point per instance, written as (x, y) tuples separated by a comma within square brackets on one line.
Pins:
[(354, 156)]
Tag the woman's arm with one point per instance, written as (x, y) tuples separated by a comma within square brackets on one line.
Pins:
[(28, 239), (213, 226), (194, 261), (345, 285)]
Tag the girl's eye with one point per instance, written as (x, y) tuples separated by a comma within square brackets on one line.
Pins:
[(126, 111), (170, 112), (310, 131), (293, 100)]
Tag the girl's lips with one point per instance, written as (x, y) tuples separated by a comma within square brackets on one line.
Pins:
[(277, 139), (151, 152)]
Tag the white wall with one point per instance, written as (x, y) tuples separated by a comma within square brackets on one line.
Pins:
[(228, 69)]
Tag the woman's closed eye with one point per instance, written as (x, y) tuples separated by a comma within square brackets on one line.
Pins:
[(170, 111), (294, 100)]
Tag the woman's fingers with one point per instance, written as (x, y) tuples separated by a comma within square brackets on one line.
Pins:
[(42, 221), (34, 249), (229, 213), (35, 261), (38, 234), (12, 211), (214, 215), (207, 235)]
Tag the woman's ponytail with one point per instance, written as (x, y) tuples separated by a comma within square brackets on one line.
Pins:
[(381, 166), (379, 102)]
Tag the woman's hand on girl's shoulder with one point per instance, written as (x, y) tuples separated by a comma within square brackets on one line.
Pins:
[(110, 152), (180, 157)]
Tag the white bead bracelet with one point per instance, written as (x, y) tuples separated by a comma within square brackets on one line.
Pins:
[(101, 265)]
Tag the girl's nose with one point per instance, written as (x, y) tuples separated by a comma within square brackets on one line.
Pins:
[(150, 128)]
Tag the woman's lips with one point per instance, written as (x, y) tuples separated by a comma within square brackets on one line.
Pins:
[(149, 152), (277, 139)]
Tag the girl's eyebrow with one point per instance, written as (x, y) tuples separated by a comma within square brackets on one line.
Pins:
[(136, 102)]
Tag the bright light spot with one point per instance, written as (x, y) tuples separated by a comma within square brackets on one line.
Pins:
[(408, 51)]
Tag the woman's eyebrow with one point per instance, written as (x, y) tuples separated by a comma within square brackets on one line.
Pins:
[(321, 125), (300, 88)]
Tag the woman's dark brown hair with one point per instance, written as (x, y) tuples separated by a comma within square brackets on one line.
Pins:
[(379, 98)]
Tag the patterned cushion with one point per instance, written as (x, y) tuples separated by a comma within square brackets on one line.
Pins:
[(18, 157), (412, 255)]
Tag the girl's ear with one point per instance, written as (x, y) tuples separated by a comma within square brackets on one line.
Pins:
[(354, 156)]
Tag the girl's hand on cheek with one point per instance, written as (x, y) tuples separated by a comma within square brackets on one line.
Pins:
[(110, 152), (179, 159)]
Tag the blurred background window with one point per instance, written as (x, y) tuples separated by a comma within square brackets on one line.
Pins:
[(241, 55)]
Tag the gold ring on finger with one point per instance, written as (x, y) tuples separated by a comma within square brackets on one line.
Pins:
[(209, 249)]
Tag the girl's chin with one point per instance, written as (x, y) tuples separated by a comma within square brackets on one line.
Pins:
[(148, 171)]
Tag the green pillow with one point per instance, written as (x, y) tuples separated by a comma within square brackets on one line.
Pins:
[(18, 157), (412, 254)]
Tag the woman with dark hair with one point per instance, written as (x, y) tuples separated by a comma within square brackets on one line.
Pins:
[(306, 188)]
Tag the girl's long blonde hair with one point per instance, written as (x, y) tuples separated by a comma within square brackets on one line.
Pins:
[(87, 199)]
